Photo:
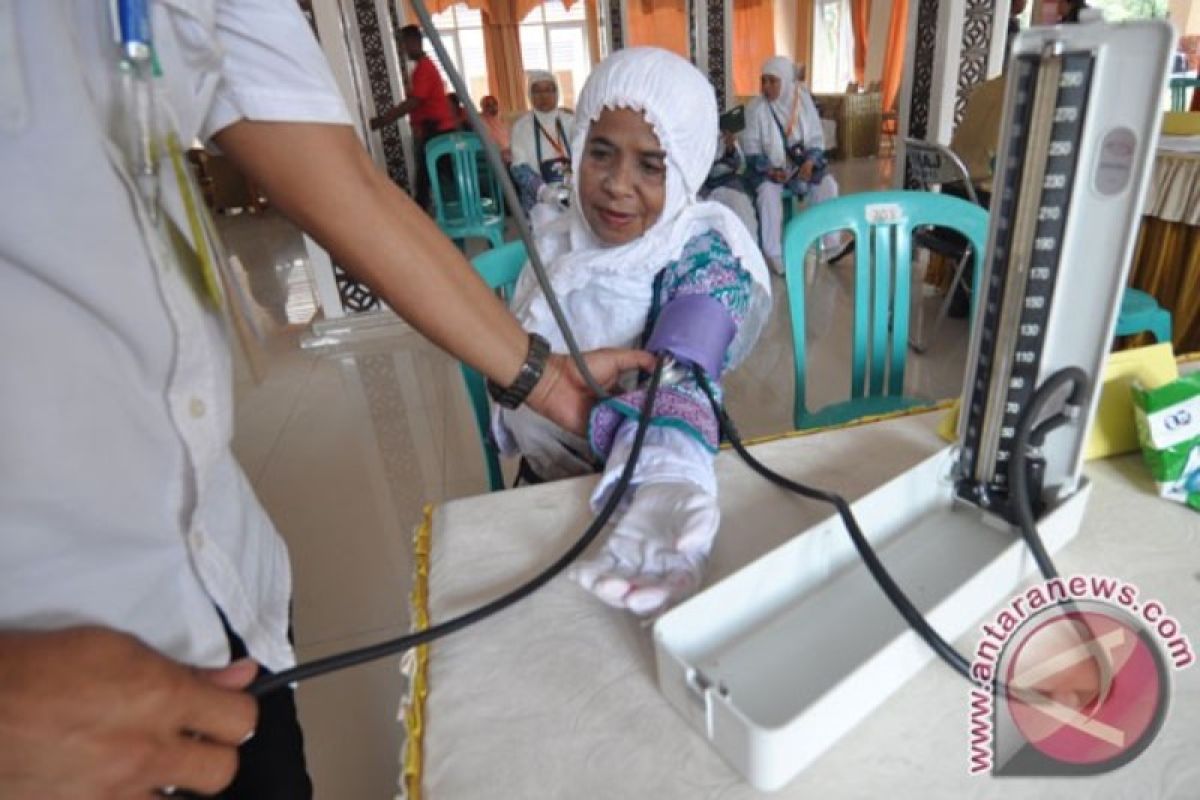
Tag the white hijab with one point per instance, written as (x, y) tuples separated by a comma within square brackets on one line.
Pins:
[(606, 291), (762, 131), (524, 134)]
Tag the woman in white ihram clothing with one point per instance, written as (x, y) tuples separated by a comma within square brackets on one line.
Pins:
[(785, 149), (634, 255), (541, 143)]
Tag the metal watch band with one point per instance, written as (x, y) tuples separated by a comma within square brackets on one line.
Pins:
[(528, 376)]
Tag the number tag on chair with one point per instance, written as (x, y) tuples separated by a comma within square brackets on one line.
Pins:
[(883, 213)]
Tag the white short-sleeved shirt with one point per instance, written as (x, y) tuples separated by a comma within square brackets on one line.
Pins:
[(120, 501)]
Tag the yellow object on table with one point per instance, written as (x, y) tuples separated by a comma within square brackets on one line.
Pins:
[(1181, 123), (1113, 432)]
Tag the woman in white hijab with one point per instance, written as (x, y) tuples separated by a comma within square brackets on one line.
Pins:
[(634, 247), (785, 149), (541, 143)]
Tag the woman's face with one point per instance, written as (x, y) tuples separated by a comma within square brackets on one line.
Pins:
[(544, 96), (622, 176), (771, 87)]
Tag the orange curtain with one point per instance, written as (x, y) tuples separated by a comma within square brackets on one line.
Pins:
[(860, 17), (438, 6), (804, 35), (658, 23), (593, 30), (502, 48), (753, 43), (893, 63)]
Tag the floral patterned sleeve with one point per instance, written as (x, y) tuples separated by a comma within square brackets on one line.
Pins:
[(706, 266)]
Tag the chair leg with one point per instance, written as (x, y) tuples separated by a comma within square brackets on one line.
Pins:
[(915, 343), (1162, 326)]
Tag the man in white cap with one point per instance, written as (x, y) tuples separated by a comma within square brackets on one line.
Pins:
[(541, 143)]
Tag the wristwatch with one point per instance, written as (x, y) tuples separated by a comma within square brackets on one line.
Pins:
[(530, 373)]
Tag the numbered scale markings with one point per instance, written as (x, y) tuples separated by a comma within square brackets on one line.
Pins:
[(1040, 168)]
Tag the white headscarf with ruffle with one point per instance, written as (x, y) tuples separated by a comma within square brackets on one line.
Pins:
[(606, 290)]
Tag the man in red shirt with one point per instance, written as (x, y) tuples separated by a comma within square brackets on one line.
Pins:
[(428, 109)]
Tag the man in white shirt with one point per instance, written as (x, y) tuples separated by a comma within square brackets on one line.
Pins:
[(135, 561)]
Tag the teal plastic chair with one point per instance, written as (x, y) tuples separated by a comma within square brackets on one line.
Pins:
[(499, 269), (882, 224), (461, 206), (1141, 313), (1179, 87)]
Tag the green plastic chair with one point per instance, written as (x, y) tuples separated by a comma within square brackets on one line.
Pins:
[(1179, 87), (462, 209), (1141, 313), (499, 269), (882, 224)]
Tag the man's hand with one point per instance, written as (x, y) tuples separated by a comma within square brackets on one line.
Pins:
[(806, 171), (564, 398), (777, 175), (88, 712)]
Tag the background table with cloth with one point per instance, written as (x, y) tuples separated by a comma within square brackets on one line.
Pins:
[(557, 696)]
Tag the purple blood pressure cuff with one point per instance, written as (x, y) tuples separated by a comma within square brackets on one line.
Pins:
[(696, 329)]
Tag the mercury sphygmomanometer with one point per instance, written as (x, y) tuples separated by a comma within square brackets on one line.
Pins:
[(1070, 181)]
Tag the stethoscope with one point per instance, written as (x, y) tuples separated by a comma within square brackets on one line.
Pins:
[(669, 370)]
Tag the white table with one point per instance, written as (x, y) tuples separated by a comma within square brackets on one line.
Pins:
[(557, 698)]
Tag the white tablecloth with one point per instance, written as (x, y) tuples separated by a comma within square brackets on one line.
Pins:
[(557, 697)]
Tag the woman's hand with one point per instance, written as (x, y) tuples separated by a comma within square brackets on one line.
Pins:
[(562, 395)]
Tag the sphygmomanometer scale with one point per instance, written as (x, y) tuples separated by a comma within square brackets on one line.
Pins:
[(776, 662)]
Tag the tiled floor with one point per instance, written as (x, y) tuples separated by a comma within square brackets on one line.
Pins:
[(345, 447)]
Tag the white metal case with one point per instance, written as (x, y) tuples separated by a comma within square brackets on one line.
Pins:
[(776, 662)]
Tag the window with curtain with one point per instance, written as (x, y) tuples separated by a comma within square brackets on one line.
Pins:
[(461, 30), (554, 38), (832, 64)]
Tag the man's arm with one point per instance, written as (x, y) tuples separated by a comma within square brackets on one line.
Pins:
[(388, 117), (320, 177)]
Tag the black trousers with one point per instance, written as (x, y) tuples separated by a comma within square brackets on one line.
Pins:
[(271, 765)]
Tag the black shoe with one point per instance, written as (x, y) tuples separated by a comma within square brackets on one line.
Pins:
[(843, 250)]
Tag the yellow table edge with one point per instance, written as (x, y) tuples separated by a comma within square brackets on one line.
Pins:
[(417, 666)]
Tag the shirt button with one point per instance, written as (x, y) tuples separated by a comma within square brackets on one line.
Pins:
[(196, 408)]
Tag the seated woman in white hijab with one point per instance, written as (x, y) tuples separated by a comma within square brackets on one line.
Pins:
[(785, 149), (637, 259), (725, 183), (541, 143)]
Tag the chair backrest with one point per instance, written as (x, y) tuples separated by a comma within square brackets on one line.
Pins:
[(466, 210), (882, 224), (1179, 87), (932, 164), (499, 268)]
